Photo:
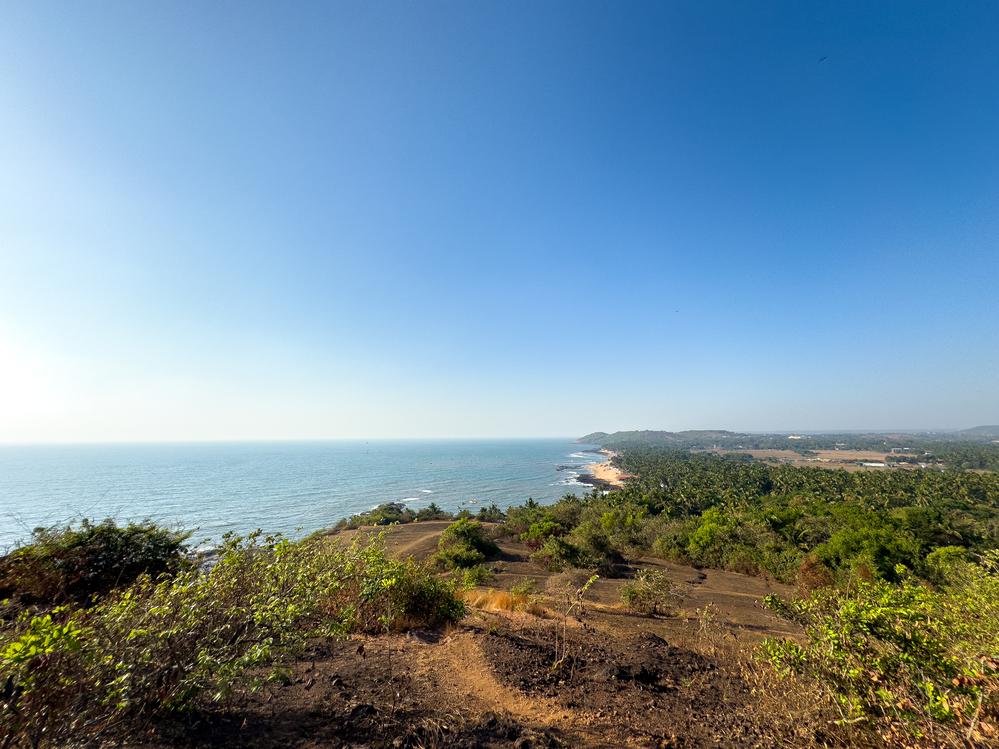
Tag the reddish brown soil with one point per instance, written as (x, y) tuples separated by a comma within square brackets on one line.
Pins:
[(490, 682)]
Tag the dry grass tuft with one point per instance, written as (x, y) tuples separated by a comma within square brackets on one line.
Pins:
[(501, 600), (557, 585), (794, 711)]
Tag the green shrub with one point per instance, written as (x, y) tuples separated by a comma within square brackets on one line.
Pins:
[(651, 592), (386, 514), (90, 676), (465, 544), (523, 588), (458, 557), (477, 575), (902, 657), (538, 533), (520, 519), (556, 554), (567, 511), (67, 564), (944, 565), (415, 597)]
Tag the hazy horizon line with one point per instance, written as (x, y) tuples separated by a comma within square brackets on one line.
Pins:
[(263, 440)]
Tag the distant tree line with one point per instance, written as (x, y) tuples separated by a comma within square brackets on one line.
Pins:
[(397, 512), (960, 451), (799, 524)]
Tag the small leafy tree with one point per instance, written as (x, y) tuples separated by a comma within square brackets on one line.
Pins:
[(557, 554), (386, 514), (571, 603), (491, 514)]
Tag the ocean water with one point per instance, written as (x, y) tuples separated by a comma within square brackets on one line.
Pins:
[(290, 487)]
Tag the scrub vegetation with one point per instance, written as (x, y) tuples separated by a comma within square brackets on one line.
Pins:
[(897, 574), (161, 643), (804, 526), (888, 584), (465, 545), (75, 564)]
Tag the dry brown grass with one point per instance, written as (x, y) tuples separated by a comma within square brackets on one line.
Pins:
[(791, 710), (502, 600), (570, 580), (795, 712)]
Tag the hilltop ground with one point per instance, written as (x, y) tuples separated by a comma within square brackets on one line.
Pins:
[(626, 680)]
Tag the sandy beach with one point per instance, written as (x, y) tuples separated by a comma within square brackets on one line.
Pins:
[(605, 471)]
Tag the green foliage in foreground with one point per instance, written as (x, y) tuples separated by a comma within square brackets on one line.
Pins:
[(77, 563), (904, 658), (84, 677)]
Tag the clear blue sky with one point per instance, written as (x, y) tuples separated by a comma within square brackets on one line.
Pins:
[(245, 220)]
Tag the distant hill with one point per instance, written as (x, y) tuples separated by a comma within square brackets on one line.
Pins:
[(992, 431), (594, 438)]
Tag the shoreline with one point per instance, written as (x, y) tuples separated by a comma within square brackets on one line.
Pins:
[(603, 475)]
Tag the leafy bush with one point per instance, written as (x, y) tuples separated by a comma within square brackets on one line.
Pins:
[(538, 533), (386, 514), (76, 563), (523, 588), (477, 575), (556, 554), (651, 592), (465, 544), (903, 657), (86, 676), (520, 519)]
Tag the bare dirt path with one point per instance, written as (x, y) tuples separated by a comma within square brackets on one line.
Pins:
[(599, 678), (461, 677)]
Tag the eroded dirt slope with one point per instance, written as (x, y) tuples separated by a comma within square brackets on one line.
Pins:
[(602, 677)]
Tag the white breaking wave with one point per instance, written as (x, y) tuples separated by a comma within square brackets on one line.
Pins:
[(427, 491)]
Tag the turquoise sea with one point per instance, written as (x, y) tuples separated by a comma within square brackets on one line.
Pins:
[(290, 487)]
